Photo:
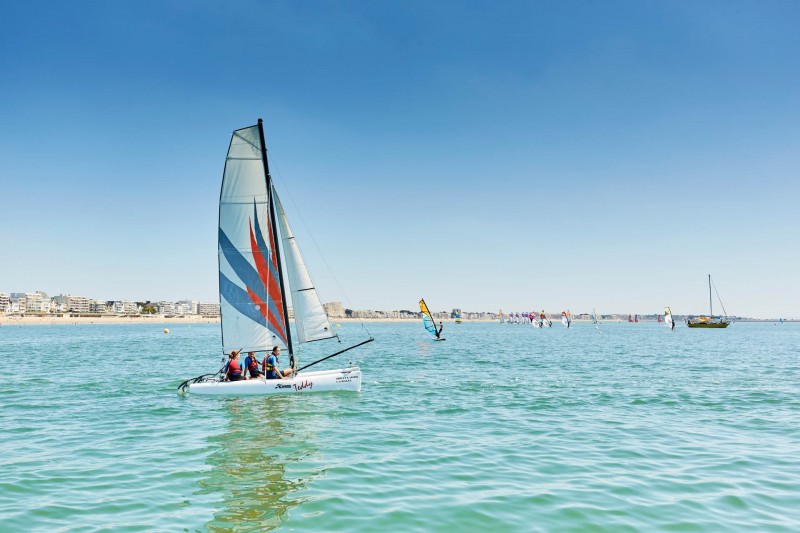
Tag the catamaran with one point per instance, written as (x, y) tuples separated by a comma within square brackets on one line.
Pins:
[(252, 291), (668, 320), (710, 321), (429, 323)]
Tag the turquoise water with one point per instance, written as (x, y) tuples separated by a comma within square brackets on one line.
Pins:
[(626, 428)]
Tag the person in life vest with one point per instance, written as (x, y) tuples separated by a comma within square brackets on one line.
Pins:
[(233, 370), (270, 366), (251, 364), (439, 331)]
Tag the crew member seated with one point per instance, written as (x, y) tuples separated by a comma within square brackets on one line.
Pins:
[(270, 366), (233, 370), (251, 364)]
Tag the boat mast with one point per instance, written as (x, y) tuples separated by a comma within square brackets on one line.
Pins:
[(275, 239), (710, 304)]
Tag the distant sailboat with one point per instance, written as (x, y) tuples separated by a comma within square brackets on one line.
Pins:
[(544, 321), (253, 293), (668, 320), (565, 319), (429, 323), (502, 318), (594, 317), (710, 321)]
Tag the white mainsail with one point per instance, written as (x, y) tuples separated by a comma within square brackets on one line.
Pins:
[(251, 301), (310, 319)]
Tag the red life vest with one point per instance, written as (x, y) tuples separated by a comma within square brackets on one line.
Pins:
[(253, 362), (234, 368)]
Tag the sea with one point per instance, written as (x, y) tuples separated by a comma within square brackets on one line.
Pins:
[(616, 427)]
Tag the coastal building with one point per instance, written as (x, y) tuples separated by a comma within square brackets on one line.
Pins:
[(189, 307), (72, 303), (184, 308), (334, 309), (124, 307), (37, 303), (166, 308), (5, 303), (207, 309), (98, 307)]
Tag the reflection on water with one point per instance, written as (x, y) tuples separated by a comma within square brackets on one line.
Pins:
[(249, 465)]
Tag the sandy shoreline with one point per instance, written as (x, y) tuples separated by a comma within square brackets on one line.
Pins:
[(45, 320)]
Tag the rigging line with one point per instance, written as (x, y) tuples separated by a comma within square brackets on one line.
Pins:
[(718, 298), (314, 241)]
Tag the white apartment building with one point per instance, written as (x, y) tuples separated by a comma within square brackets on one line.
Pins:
[(5, 303), (125, 308), (190, 307), (77, 304), (98, 306), (207, 309), (183, 308), (166, 308), (36, 303)]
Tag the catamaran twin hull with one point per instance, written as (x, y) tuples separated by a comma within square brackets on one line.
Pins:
[(342, 379)]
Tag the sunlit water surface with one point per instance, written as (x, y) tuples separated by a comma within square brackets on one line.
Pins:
[(626, 427)]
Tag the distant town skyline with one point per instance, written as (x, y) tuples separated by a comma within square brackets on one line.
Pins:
[(39, 302), (483, 156)]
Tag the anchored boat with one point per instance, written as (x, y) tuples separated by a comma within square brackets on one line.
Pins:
[(252, 291), (710, 321)]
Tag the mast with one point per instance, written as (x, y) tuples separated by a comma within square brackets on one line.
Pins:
[(710, 304), (275, 239)]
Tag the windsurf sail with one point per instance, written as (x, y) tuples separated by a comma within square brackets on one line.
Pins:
[(427, 319), (668, 320)]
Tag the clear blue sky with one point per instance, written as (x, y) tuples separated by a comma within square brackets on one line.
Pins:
[(482, 155)]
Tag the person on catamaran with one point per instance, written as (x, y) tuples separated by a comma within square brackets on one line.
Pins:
[(439, 333), (232, 369), (251, 364), (270, 365)]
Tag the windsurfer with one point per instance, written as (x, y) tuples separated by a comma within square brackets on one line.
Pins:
[(270, 366), (233, 370), (439, 333)]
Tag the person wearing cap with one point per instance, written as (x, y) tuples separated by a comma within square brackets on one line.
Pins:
[(251, 364), (233, 370), (270, 366)]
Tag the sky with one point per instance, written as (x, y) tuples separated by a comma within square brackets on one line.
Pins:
[(512, 155)]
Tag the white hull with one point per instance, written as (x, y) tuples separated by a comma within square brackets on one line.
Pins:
[(342, 379)]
